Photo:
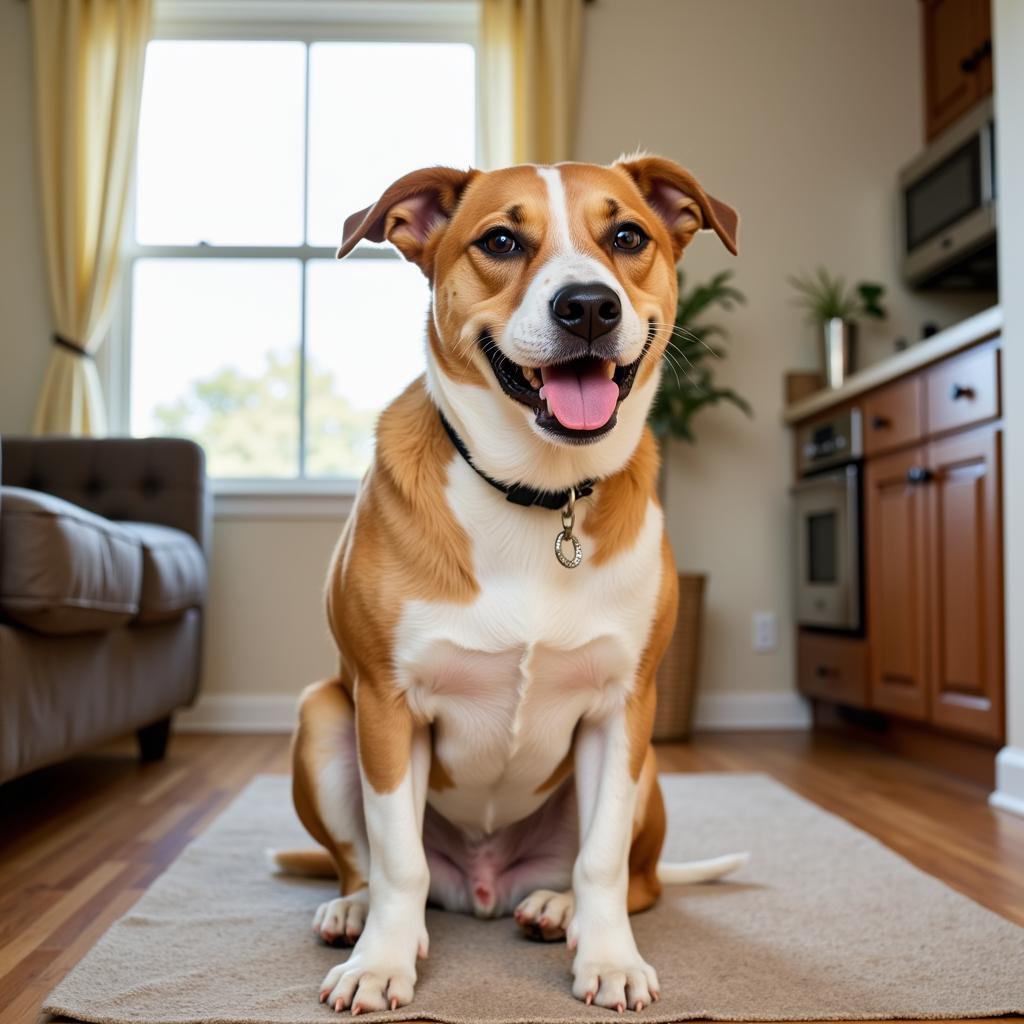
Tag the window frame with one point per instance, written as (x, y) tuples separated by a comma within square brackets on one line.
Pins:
[(308, 22)]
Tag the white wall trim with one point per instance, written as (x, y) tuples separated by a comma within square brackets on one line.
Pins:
[(284, 499), (1009, 791), (241, 713), (752, 711)]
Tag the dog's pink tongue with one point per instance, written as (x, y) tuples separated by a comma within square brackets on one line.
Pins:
[(580, 395)]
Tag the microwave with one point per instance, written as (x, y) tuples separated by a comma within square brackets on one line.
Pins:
[(948, 199)]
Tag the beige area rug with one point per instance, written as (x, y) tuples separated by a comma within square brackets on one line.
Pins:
[(824, 923)]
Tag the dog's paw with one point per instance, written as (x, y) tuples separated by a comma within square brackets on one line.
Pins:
[(366, 985), (342, 918), (545, 914), (616, 984)]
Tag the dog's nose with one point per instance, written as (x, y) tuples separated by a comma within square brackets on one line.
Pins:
[(587, 310)]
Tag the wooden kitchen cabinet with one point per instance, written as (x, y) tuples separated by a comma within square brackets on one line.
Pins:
[(898, 579), (957, 59), (894, 416), (926, 677), (832, 667), (965, 592)]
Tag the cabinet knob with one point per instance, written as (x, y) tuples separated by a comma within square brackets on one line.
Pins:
[(826, 672), (919, 475), (880, 422), (969, 63), (958, 391)]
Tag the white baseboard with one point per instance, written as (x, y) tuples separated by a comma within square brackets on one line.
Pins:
[(1009, 791), (239, 713), (717, 712)]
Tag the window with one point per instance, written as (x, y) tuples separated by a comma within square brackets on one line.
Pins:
[(244, 332)]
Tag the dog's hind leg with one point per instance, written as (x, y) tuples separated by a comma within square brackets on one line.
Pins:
[(327, 792)]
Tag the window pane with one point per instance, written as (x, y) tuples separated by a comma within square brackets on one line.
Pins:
[(215, 357), (378, 110), (221, 141), (365, 337)]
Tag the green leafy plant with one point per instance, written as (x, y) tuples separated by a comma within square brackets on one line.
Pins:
[(688, 383), (825, 297)]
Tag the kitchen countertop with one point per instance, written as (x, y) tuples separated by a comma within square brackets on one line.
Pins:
[(982, 325)]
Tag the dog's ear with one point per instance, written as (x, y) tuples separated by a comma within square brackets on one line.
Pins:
[(677, 198), (409, 214)]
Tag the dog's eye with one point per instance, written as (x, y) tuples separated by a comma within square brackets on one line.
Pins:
[(499, 242), (630, 238)]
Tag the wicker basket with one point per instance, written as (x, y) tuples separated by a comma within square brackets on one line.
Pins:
[(677, 674)]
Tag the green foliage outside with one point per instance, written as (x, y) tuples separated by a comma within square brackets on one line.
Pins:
[(687, 380), (249, 425)]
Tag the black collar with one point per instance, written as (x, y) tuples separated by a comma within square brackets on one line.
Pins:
[(518, 494)]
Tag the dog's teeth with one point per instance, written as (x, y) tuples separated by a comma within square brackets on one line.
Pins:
[(609, 369), (540, 394)]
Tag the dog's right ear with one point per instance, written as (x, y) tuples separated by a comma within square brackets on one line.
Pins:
[(410, 214)]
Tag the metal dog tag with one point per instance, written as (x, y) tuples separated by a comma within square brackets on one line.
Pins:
[(565, 535)]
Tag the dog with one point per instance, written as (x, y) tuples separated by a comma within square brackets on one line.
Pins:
[(504, 589)]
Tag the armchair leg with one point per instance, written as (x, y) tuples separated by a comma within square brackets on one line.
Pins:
[(153, 740)]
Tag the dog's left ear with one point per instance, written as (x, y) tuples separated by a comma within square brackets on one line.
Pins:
[(409, 214), (678, 199)]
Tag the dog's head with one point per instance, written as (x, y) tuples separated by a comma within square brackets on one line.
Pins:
[(554, 295)]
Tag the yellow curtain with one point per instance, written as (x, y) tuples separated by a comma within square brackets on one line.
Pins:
[(528, 71), (89, 57)]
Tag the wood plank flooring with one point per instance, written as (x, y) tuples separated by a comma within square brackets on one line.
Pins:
[(81, 841)]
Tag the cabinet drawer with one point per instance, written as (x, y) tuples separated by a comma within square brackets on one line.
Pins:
[(963, 390), (893, 416), (832, 667)]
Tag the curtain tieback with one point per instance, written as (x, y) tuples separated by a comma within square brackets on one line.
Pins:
[(61, 342)]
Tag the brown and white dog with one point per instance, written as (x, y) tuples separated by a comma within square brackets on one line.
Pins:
[(486, 744)]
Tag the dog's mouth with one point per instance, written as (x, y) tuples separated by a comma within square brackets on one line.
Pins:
[(576, 398)]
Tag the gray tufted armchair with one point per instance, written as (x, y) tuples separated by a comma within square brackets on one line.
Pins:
[(102, 585)]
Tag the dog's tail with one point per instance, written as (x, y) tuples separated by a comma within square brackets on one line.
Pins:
[(701, 870), (318, 864), (307, 863)]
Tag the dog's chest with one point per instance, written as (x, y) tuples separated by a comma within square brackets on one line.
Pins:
[(505, 680)]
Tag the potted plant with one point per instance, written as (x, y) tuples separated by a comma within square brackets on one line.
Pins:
[(832, 307), (687, 386)]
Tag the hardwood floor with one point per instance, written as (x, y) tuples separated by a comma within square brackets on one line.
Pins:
[(81, 841)]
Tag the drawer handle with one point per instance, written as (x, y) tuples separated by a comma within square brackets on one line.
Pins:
[(958, 391), (827, 672), (919, 475), (880, 422)]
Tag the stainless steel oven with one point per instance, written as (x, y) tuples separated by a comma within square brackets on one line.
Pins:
[(827, 517)]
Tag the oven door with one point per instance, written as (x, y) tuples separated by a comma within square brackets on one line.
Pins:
[(827, 514)]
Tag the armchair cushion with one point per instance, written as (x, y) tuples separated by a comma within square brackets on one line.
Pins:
[(62, 569), (173, 572)]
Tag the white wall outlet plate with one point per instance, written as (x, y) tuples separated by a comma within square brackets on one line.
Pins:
[(765, 632)]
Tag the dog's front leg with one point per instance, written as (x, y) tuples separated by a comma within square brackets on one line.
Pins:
[(608, 969), (394, 759)]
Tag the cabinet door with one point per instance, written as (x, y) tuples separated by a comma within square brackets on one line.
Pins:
[(983, 40), (897, 552), (966, 594), (951, 80)]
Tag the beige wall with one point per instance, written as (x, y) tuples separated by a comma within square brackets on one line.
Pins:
[(266, 630), (799, 113), (24, 306)]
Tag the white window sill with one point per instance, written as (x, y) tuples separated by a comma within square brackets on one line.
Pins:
[(325, 500)]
